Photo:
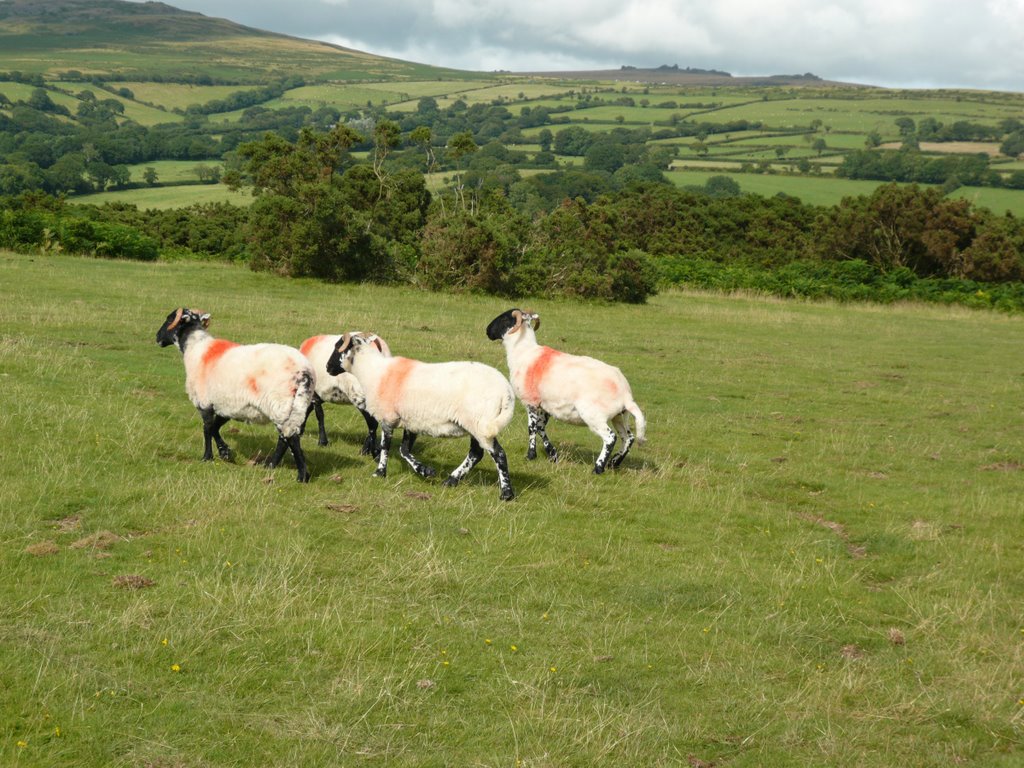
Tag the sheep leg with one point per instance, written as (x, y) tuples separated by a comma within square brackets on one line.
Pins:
[(211, 433), (608, 435), (537, 420), (622, 428), (275, 458), (317, 407), (386, 431), (300, 458), (405, 451), (472, 459), (370, 445), (504, 479)]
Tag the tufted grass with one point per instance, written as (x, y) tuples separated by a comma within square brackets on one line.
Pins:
[(815, 560)]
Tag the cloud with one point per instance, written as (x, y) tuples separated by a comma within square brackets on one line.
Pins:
[(915, 43)]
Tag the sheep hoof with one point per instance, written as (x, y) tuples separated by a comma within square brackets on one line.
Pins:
[(598, 470), (531, 455), (304, 477), (323, 441), (380, 473), (425, 471), (450, 482), (507, 495)]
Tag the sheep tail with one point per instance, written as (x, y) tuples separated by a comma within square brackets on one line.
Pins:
[(296, 419), (641, 422)]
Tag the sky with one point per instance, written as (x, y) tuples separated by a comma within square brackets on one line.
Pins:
[(892, 43)]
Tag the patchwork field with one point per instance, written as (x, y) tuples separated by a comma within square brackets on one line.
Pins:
[(816, 558)]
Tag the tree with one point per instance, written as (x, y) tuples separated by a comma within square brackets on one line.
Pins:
[(149, 175), (460, 145)]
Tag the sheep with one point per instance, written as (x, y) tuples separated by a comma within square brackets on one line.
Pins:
[(343, 388), (572, 388), (439, 399), (255, 383)]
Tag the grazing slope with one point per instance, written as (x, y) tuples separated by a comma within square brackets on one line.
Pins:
[(110, 37)]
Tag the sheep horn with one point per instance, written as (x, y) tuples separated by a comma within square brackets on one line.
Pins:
[(535, 320), (519, 321), (176, 320), (346, 342)]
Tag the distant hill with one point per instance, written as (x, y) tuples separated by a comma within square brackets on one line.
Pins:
[(114, 39), (673, 75)]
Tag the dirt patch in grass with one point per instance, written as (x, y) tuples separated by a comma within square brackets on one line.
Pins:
[(132, 581), (42, 549), (854, 550)]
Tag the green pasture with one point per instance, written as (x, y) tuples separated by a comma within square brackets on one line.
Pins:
[(863, 115), (179, 95), (168, 197), (815, 559), (171, 171), (810, 189)]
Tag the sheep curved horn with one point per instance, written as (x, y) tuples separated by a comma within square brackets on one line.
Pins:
[(534, 320), (518, 316), (346, 342), (176, 320)]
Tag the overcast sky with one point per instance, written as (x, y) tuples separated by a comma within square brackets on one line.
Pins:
[(898, 43)]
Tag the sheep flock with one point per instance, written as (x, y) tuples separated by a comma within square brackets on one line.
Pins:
[(283, 385)]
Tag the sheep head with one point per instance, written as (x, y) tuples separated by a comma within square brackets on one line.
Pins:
[(511, 322), (178, 321), (348, 345)]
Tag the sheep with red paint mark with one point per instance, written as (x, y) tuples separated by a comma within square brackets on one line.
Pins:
[(571, 388), (254, 382), (343, 388), (439, 399)]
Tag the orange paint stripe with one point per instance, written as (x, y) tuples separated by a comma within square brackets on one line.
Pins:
[(308, 344), (535, 374), (216, 350), (393, 382)]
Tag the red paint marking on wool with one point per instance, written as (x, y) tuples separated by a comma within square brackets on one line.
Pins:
[(216, 350), (308, 344), (393, 382), (254, 386), (535, 374)]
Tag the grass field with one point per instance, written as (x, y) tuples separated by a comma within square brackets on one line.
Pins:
[(815, 559), (168, 197), (827, 190)]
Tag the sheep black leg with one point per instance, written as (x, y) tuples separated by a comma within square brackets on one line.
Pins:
[(504, 478), (370, 445), (317, 406), (627, 440), (405, 451), (295, 445), (386, 431), (211, 433), (606, 451), (537, 420), (472, 459), (278, 454), (542, 430)]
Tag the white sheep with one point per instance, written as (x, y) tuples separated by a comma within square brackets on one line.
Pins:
[(439, 399), (256, 383), (343, 388), (572, 388)]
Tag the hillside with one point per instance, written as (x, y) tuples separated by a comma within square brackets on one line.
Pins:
[(112, 38)]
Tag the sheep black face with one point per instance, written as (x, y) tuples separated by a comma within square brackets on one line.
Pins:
[(179, 320), (510, 322), (344, 349)]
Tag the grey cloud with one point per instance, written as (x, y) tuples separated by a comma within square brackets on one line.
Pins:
[(912, 43)]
